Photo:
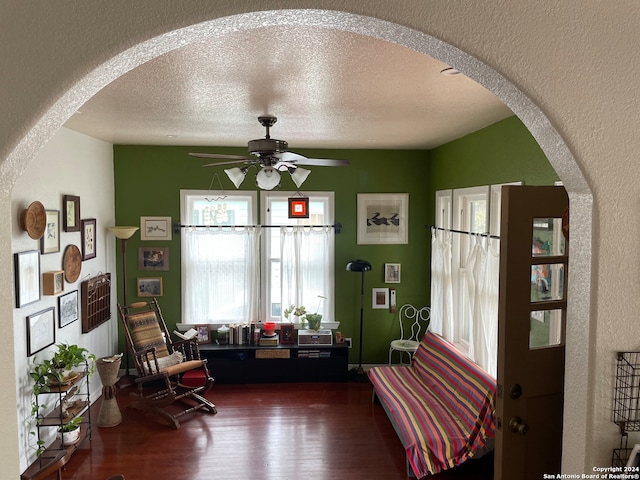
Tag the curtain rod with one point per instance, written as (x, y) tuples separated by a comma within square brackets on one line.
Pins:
[(479, 234), (177, 226)]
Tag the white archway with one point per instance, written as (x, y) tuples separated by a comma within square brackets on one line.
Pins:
[(578, 321)]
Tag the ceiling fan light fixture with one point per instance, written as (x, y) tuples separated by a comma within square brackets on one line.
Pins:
[(268, 178), (299, 175), (236, 175)]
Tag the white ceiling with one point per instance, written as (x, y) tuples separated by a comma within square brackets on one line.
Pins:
[(328, 88)]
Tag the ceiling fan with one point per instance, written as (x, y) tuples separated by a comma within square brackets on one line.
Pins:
[(269, 156)]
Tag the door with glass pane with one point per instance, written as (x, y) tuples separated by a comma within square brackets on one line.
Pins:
[(531, 332)]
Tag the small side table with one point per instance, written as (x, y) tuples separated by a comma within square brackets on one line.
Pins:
[(108, 368)]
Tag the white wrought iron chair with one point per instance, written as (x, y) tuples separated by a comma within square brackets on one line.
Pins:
[(416, 322)]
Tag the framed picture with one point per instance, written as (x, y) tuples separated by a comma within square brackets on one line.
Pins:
[(380, 297), (41, 330), (68, 308), (391, 273), (287, 333), (203, 333), (71, 213), (53, 282), (149, 286), (153, 258), (298, 207), (155, 228), (27, 277), (88, 239), (50, 241), (383, 218)]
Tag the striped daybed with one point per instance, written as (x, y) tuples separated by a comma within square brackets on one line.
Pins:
[(441, 406)]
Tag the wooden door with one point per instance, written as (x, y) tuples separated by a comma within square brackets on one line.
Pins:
[(531, 332)]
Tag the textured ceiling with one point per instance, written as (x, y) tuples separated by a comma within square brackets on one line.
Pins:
[(328, 88)]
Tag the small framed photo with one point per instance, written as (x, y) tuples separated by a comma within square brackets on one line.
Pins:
[(153, 258), (155, 228), (53, 282), (41, 330), (68, 308), (380, 297), (50, 241), (383, 218), (149, 286), (71, 213), (27, 277), (203, 333), (287, 334), (88, 238), (391, 273)]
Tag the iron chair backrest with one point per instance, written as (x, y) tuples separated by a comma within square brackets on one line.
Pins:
[(418, 318)]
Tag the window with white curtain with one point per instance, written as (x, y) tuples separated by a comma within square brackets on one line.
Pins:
[(299, 266), (234, 270), (465, 271)]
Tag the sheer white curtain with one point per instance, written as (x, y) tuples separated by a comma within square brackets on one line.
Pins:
[(483, 270), (307, 268), (441, 287), (221, 277)]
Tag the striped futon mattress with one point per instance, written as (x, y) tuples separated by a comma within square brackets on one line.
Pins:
[(442, 406)]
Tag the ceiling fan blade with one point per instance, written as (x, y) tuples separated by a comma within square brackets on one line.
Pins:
[(298, 159), (246, 161), (220, 155), (323, 162)]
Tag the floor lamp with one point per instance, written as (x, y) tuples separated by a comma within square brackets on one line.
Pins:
[(124, 233), (360, 266)]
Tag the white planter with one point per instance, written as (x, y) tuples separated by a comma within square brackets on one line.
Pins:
[(69, 438)]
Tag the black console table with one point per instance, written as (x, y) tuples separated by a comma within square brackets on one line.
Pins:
[(281, 363)]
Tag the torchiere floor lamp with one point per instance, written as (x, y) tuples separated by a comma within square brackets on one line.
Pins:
[(124, 233), (359, 266)]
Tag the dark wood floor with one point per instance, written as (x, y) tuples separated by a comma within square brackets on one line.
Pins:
[(274, 431)]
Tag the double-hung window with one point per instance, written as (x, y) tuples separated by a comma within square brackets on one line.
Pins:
[(299, 252), (234, 270), (220, 257)]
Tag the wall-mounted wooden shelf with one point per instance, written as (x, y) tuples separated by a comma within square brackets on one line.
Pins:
[(95, 294)]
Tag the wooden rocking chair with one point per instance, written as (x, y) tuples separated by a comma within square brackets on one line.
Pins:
[(162, 365)]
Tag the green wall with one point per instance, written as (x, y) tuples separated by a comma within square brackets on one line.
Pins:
[(149, 178), (148, 182)]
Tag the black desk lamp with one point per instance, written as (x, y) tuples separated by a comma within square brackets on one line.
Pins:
[(360, 266)]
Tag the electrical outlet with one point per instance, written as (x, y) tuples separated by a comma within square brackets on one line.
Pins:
[(348, 341)]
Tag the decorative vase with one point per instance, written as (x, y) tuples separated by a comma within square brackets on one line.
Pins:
[(314, 320)]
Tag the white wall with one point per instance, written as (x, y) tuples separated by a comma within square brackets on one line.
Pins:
[(72, 164)]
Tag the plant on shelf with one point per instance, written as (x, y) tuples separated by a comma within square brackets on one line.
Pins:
[(70, 431), (58, 370), (299, 312)]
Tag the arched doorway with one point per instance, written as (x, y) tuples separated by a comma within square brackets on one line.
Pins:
[(550, 141)]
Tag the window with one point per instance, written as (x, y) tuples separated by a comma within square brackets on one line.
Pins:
[(465, 271), (220, 263), (236, 271), (299, 267)]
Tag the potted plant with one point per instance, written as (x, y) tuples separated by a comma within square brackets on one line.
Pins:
[(70, 431)]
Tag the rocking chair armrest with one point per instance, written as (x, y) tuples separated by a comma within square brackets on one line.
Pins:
[(142, 357), (188, 347)]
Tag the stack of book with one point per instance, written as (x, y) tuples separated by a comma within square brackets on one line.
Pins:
[(313, 353), (242, 333)]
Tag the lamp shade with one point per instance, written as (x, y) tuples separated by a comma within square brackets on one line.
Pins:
[(299, 175), (123, 232), (268, 178), (358, 266), (236, 175)]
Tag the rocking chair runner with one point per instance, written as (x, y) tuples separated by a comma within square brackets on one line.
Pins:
[(162, 364)]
